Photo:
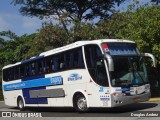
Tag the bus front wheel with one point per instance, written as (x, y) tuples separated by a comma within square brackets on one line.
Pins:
[(20, 104), (80, 103)]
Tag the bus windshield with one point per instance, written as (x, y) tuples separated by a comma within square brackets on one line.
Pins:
[(128, 71)]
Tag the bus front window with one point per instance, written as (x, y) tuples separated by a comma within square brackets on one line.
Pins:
[(128, 71)]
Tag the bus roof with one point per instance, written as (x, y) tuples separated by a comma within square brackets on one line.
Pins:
[(67, 47), (11, 65), (81, 43)]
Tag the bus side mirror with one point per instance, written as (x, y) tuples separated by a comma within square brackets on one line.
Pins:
[(110, 62), (152, 57)]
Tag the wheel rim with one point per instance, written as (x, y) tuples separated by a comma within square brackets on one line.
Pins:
[(82, 104), (20, 104)]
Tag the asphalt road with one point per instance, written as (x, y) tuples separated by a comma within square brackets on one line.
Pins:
[(116, 113)]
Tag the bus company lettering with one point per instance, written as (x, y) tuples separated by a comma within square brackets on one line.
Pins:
[(16, 85), (74, 77)]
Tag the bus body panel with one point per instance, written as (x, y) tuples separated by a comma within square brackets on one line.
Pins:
[(11, 99), (57, 89), (98, 96)]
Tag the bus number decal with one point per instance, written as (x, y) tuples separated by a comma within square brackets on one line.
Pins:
[(56, 80), (104, 98)]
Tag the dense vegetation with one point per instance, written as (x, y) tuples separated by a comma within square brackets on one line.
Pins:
[(141, 24)]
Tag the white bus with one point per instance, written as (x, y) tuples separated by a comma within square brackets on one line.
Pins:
[(85, 74)]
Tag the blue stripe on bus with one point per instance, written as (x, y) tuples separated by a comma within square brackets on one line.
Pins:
[(26, 94), (57, 80), (29, 100), (32, 59)]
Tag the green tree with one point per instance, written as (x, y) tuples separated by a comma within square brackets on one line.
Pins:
[(87, 31), (142, 26), (14, 48), (156, 1), (7, 48), (48, 37), (76, 9), (83, 31), (68, 10), (24, 44), (9, 34)]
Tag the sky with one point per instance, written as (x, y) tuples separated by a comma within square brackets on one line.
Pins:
[(11, 19)]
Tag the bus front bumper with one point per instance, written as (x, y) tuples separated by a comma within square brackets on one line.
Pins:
[(125, 100)]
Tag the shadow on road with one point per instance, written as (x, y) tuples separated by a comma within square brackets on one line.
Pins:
[(123, 109)]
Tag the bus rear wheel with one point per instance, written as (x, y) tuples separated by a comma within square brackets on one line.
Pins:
[(80, 103), (20, 104)]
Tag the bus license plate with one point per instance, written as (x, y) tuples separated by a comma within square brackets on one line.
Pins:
[(137, 99)]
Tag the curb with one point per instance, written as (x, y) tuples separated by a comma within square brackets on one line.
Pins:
[(154, 99)]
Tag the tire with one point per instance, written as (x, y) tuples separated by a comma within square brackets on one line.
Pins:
[(20, 104), (80, 103)]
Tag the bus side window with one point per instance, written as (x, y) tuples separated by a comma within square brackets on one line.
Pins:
[(51, 66), (71, 60), (62, 64), (80, 59), (75, 59), (5, 72), (6, 75), (101, 76), (43, 66), (65, 60), (12, 73), (89, 61), (48, 63), (39, 67), (21, 71), (93, 55), (33, 68), (27, 70), (56, 64), (15, 73)]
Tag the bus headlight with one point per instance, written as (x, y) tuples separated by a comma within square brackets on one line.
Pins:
[(147, 90), (118, 94)]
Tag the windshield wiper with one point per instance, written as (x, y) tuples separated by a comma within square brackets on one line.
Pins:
[(138, 74)]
